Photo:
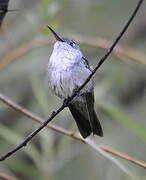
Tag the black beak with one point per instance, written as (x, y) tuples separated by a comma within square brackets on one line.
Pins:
[(56, 35)]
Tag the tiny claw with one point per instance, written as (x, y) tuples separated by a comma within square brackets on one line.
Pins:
[(65, 102), (54, 113), (75, 91)]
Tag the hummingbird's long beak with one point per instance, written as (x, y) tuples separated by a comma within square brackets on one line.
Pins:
[(56, 35)]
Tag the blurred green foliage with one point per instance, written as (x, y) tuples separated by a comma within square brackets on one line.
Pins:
[(120, 90)]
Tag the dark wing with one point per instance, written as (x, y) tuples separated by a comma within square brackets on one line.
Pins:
[(83, 112), (86, 63), (3, 9), (77, 110), (94, 121)]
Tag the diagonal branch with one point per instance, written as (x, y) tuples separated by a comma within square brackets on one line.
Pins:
[(64, 105), (73, 135), (123, 156), (109, 50)]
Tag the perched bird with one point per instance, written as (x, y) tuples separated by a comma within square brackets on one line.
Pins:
[(67, 71)]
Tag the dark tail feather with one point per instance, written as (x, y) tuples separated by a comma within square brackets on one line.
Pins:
[(97, 129), (94, 121), (82, 123)]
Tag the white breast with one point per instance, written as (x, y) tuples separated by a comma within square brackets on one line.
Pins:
[(66, 71)]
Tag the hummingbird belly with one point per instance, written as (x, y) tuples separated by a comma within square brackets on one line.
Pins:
[(64, 82)]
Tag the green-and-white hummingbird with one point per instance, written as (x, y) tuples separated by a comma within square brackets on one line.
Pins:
[(67, 71)]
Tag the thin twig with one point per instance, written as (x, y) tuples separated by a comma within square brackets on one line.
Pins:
[(73, 135), (4, 176), (36, 118), (64, 105), (123, 156), (101, 61)]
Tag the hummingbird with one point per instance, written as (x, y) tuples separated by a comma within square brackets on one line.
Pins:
[(67, 71)]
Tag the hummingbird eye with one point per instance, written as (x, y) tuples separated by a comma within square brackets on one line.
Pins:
[(72, 44)]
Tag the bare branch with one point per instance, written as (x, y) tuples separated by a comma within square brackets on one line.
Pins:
[(64, 105), (109, 50), (73, 135), (123, 156)]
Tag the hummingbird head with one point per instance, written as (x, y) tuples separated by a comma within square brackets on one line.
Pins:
[(66, 45)]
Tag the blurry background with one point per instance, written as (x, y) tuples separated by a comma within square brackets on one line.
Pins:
[(120, 88)]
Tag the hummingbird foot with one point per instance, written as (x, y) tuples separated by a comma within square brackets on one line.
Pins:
[(75, 91), (65, 102)]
